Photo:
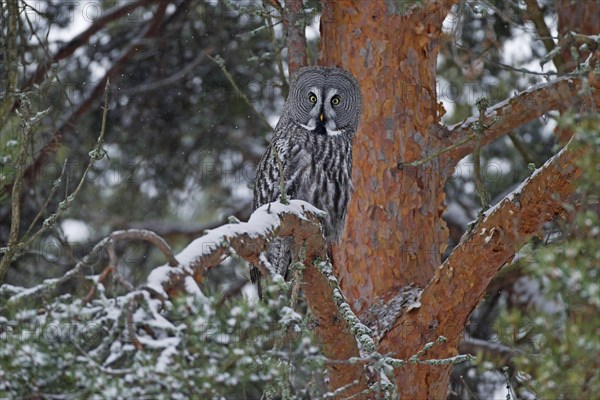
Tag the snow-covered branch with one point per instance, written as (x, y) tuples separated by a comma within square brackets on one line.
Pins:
[(248, 240), (511, 113), (48, 286), (460, 283)]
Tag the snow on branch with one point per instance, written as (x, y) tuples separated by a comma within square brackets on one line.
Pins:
[(249, 240), (246, 239), (48, 286), (511, 113), (493, 241)]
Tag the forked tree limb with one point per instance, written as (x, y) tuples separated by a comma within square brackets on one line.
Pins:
[(460, 283), (501, 231)]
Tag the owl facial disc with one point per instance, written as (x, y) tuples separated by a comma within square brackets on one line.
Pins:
[(322, 115)]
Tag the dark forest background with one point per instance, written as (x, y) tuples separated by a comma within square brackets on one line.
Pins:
[(196, 88)]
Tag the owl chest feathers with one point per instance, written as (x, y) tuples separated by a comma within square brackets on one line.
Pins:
[(317, 169)]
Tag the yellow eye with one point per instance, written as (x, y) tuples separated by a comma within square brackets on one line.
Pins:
[(312, 98), (335, 100)]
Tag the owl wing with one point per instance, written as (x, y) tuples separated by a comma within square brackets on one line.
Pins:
[(266, 190)]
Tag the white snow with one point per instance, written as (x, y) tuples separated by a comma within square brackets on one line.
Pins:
[(165, 358), (289, 317), (163, 343), (192, 288), (158, 276), (261, 223)]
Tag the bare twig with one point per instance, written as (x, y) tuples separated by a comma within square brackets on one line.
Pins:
[(49, 285), (83, 107), (282, 190), (51, 195), (100, 279), (11, 62), (537, 17), (436, 154), (528, 157), (277, 48), (82, 39), (492, 350), (96, 154), (221, 64), (27, 123), (108, 371), (154, 85), (479, 130)]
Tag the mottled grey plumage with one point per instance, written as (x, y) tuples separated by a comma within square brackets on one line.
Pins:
[(313, 140)]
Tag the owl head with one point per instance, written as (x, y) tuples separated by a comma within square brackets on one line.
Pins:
[(325, 101)]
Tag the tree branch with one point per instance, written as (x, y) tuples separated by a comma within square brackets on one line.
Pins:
[(518, 110), (493, 350), (10, 57), (249, 240), (55, 140), (81, 39), (295, 24), (535, 15), (462, 279), (68, 49), (190, 230), (503, 229), (50, 285)]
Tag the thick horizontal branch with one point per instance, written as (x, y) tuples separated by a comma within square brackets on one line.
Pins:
[(509, 114), (249, 240)]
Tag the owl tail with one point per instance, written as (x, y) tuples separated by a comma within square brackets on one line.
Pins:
[(255, 277), (279, 256)]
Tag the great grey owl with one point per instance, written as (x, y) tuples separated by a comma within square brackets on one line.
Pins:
[(313, 141)]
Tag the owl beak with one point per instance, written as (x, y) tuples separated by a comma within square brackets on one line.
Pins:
[(321, 117)]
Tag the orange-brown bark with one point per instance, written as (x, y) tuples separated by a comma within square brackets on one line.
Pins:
[(460, 283), (295, 24), (580, 17), (394, 235), (558, 95)]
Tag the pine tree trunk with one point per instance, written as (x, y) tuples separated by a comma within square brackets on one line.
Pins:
[(395, 234)]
